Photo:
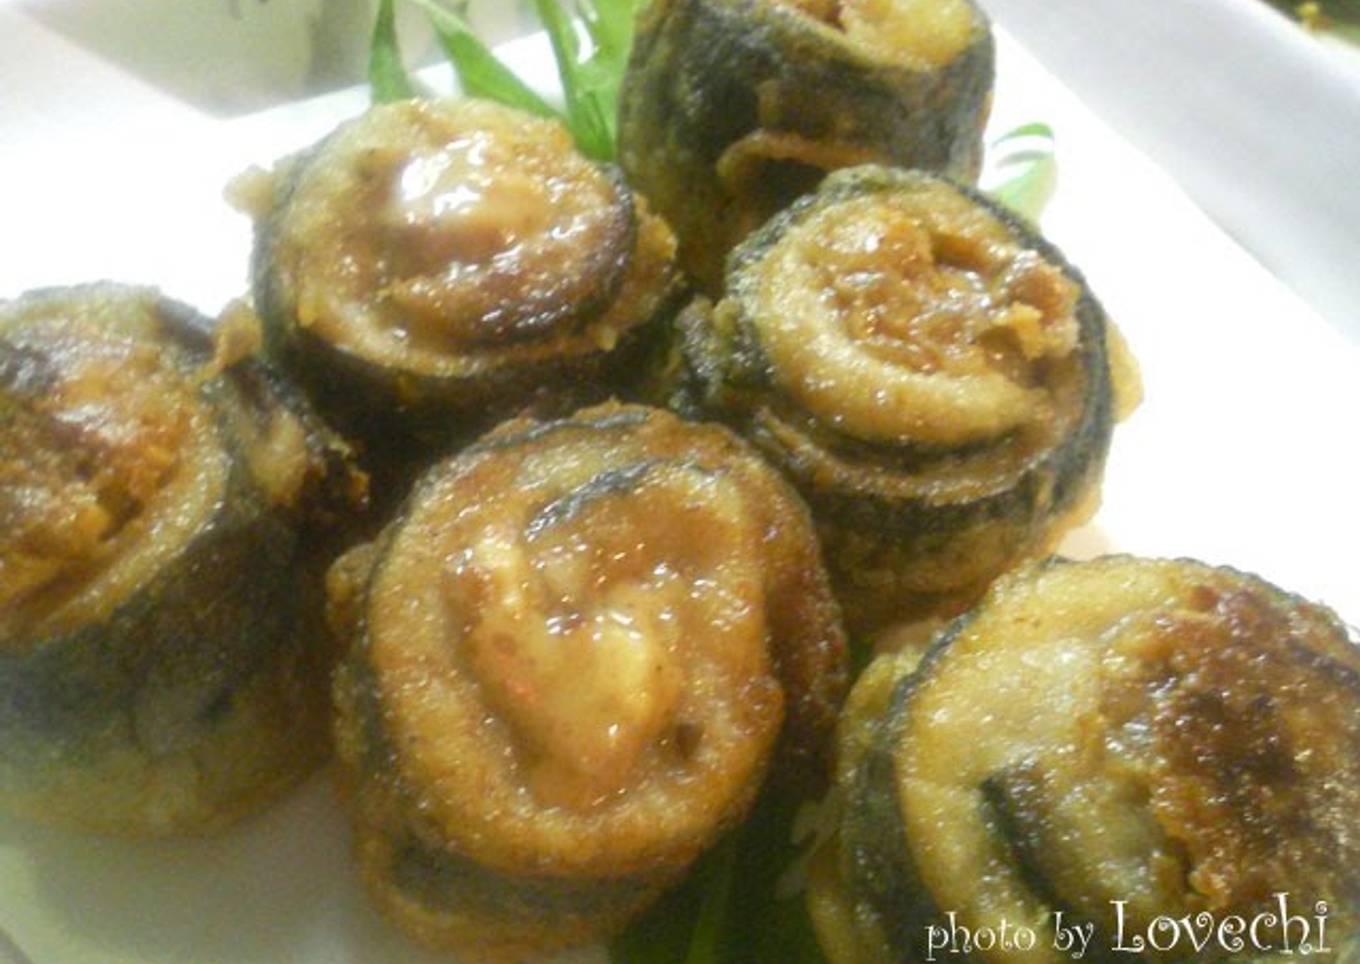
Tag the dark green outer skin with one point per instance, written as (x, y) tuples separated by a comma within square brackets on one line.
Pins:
[(205, 667), (405, 421), (875, 859), (690, 92), (731, 379)]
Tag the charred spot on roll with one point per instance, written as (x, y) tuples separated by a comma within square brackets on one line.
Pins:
[(1123, 741), (731, 109), (162, 664), (931, 374), (576, 654), (434, 266)]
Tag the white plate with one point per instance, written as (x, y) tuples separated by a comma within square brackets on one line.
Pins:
[(1243, 453)]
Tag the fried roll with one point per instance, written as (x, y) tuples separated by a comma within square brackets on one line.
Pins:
[(576, 652), (931, 374), (1160, 753), (160, 668), (434, 266), (731, 109)]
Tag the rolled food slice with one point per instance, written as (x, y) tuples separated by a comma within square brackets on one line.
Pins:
[(931, 374), (435, 265), (575, 652), (1119, 741), (161, 669), (731, 109)]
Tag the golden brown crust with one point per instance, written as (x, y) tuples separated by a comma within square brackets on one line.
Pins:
[(1253, 764), (922, 33), (435, 237), (436, 266)]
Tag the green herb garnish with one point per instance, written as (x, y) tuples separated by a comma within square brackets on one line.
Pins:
[(386, 75), (1028, 161), (591, 77), (590, 85), (736, 906), (480, 72), (590, 74)]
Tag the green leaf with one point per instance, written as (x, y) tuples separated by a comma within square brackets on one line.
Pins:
[(731, 909), (386, 75), (610, 24), (479, 72), (706, 942), (1030, 164), (583, 82), (590, 78), (665, 934), (590, 84), (1032, 129)]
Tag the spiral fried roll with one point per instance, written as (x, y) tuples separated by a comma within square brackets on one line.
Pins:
[(434, 266), (575, 653), (931, 374), (1158, 750)]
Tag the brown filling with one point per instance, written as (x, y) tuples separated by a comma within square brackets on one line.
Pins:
[(611, 622), (915, 317), (945, 297), (427, 227), (582, 641), (90, 431)]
